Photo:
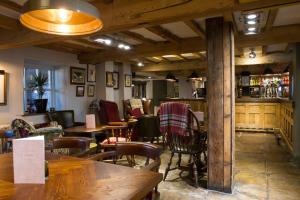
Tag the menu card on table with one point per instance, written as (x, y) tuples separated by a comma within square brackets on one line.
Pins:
[(90, 121), (29, 160)]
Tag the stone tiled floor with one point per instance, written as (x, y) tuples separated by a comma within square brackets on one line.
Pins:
[(263, 170)]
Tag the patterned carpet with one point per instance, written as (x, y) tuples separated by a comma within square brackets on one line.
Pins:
[(263, 171)]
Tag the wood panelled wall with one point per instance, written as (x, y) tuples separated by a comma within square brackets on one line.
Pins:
[(274, 116), (287, 123), (257, 115)]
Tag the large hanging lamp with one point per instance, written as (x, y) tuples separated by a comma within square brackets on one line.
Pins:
[(61, 17)]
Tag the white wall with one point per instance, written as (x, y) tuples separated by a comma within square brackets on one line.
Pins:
[(149, 90), (12, 61), (185, 88)]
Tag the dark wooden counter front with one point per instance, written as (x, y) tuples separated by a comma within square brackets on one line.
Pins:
[(72, 178)]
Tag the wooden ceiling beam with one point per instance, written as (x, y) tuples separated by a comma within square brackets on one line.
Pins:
[(286, 34), (195, 27), (202, 65), (264, 50), (161, 48), (271, 18), (9, 23), (175, 66), (85, 43), (283, 34), (11, 5), (120, 15), (164, 33), (137, 37)]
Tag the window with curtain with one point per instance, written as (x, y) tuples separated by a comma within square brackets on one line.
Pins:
[(30, 95)]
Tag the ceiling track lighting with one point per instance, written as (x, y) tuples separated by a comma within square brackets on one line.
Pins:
[(61, 17)]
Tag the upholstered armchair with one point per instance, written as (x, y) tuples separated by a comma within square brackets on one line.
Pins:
[(134, 108), (109, 115), (24, 129), (147, 126), (65, 118)]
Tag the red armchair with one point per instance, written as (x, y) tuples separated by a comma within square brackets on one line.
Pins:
[(109, 115)]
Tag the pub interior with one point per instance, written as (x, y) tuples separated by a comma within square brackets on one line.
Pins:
[(172, 99)]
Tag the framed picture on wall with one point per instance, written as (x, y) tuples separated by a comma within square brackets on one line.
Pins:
[(91, 90), (91, 73), (116, 80), (79, 91), (3, 88), (109, 79), (128, 81), (77, 76)]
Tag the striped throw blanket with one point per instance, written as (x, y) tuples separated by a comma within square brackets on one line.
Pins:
[(174, 118)]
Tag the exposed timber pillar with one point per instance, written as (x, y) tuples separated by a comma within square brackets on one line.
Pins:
[(221, 97)]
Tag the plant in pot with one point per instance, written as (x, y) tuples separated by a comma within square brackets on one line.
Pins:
[(38, 84)]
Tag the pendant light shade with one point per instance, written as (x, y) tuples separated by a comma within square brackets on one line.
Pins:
[(170, 77), (61, 17), (194, 75)]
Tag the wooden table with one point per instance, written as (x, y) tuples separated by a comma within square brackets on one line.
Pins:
[(73, 178)]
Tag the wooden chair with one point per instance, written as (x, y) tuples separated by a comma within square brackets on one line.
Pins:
[(119, 129), (192, 143), (131, 149), (72, 146)]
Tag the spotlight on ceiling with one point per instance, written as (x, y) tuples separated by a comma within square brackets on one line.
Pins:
[(251, 22), (251, 29), (252, 54), (104, 41), (61, 17), (140, 64), (251, 16), (124, 46)]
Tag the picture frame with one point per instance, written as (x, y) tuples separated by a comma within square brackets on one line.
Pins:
[(77, 76), (116, 80), (79, 91), (91, 90), (128, 80), (3, 88), (109, 79), (91, 73)]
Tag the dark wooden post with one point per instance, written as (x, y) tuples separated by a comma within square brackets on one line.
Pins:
[(220, 55)]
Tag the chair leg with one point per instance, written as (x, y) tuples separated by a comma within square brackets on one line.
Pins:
[(179, 160), (168, 167), (195, 169)]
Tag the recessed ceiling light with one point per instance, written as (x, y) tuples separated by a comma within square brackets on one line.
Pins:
[(250, 33), (251, 29), (149, 77), (140, 64), (251, 22), (126, 47), (121, 46), (104, 41), (252, 16)]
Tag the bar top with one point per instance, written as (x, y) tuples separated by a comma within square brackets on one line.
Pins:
[(262, 100), (182, 99)]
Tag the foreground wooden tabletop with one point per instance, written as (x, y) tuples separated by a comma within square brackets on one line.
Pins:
[(72, 178)]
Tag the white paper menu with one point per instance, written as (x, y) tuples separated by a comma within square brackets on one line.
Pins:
[(29, 160), (90, 121)]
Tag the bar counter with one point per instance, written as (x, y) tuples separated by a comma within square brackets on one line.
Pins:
[(255, 113)]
